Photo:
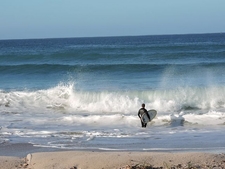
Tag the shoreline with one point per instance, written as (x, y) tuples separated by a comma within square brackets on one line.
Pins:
[(24, 155), (22, 149)]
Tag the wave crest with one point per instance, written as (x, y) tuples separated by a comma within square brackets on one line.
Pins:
[(66, 98)]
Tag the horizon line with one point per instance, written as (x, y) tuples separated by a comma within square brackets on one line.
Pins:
[(110, 36)]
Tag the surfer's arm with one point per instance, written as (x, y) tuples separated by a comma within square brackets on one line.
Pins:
[(146, 112), (139, 114)]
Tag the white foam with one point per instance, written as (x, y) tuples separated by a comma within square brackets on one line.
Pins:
[(69, 115), (210, 118), (195, 105), (102, 120), (67, 98)]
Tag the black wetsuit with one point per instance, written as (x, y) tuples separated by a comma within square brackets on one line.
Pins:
[(140, 113)]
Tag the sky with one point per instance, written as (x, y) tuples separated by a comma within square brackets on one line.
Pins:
[(28, 19)]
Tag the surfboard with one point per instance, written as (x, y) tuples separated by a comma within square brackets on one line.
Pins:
[(152, 113)]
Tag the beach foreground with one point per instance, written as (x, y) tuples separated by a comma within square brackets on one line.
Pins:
[(113, 160)]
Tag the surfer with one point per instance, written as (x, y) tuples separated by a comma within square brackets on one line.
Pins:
[(141, 112)]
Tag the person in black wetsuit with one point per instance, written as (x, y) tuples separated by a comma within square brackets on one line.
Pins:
[(141, 112)]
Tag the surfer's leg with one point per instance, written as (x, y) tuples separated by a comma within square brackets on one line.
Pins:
[(142, 124)]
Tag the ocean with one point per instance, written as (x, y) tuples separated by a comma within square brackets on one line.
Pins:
[(85, 93)]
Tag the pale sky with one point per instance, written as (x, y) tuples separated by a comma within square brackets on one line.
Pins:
[(25, 19)]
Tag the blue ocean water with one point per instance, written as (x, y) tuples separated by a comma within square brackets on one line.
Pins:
[(85, 92)]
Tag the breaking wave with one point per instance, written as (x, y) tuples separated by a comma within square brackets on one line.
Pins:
[(195, 104)]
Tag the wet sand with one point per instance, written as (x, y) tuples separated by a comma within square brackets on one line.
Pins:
[(42, 158)]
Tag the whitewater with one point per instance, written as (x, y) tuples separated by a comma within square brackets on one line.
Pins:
[(84, 93)]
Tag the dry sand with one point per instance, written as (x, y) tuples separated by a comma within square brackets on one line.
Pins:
[(113, 160)]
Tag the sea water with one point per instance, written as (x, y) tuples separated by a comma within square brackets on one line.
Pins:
[(84, 93)]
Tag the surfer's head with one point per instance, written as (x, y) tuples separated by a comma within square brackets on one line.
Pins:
[(143, 105)]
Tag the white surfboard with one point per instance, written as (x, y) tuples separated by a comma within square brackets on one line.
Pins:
[(152, 113)]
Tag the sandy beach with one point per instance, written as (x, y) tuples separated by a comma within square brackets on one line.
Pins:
[(107, 160)]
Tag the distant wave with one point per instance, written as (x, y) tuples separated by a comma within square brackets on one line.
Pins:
[(108, 67)]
